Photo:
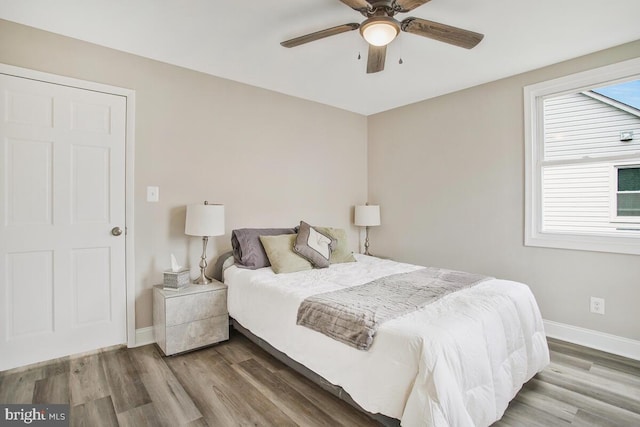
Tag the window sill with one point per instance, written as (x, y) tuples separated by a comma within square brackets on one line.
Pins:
[(620, 245)]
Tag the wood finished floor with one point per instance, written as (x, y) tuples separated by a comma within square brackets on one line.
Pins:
[(237, 383)]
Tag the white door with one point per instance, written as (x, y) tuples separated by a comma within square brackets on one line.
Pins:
[(62, 191)]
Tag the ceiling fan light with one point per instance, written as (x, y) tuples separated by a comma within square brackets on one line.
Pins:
[(379, 31)]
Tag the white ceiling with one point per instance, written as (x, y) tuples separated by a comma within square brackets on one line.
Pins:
[(239, 40)]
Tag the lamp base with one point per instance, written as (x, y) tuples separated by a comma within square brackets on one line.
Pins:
[(203, 279), (366, 242)]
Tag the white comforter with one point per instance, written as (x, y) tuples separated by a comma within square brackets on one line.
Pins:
[(456, 362)]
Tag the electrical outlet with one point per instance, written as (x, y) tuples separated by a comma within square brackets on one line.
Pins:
[(597, 305)]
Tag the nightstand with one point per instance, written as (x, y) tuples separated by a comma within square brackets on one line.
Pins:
[(192, 317)]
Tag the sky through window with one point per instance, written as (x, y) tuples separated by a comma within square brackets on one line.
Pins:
[(627, 93)]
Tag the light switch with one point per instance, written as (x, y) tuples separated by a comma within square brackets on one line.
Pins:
[(153, 194)]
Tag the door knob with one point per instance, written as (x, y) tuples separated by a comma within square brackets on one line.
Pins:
[(116, 231)]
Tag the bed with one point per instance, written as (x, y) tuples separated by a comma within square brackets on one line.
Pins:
[(455, 362)]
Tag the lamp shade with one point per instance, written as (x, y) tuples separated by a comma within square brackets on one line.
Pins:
[(367, 215), (204, 220)]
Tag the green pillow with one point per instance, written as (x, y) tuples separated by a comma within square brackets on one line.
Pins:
[(340, 252), (280, 252)]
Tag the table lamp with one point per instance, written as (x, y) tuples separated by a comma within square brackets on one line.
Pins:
[(204, 220), (367, 216)]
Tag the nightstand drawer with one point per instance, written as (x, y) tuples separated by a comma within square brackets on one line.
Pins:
[(199, 333), (195, 307)]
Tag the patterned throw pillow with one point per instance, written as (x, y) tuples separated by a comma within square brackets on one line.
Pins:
[(314, 246)]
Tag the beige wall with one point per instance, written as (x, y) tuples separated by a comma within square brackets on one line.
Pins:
[(449, 176), (271, 159), (448, 173)]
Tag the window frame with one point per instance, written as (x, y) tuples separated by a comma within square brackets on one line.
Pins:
[(614, 217), (534, 96)]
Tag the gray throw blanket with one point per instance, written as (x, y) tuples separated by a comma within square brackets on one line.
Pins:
[(352, 315)]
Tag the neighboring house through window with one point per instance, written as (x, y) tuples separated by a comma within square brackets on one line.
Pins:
[(625, 200), (583, 161)]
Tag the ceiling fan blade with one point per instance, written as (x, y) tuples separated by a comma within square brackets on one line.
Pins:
[(359, 5), (375, 61), (320, 35), (407, 5), (441, 32)]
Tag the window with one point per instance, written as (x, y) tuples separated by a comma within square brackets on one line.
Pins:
[(582, 160), (625, 201)]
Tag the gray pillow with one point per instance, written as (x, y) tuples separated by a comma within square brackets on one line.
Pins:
[(248, 252), (313, 245)]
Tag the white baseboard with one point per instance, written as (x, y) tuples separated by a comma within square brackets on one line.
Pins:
[(144, 336), (599, 340)]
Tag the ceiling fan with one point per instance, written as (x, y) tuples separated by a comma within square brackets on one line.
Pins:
[(380, 28)]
